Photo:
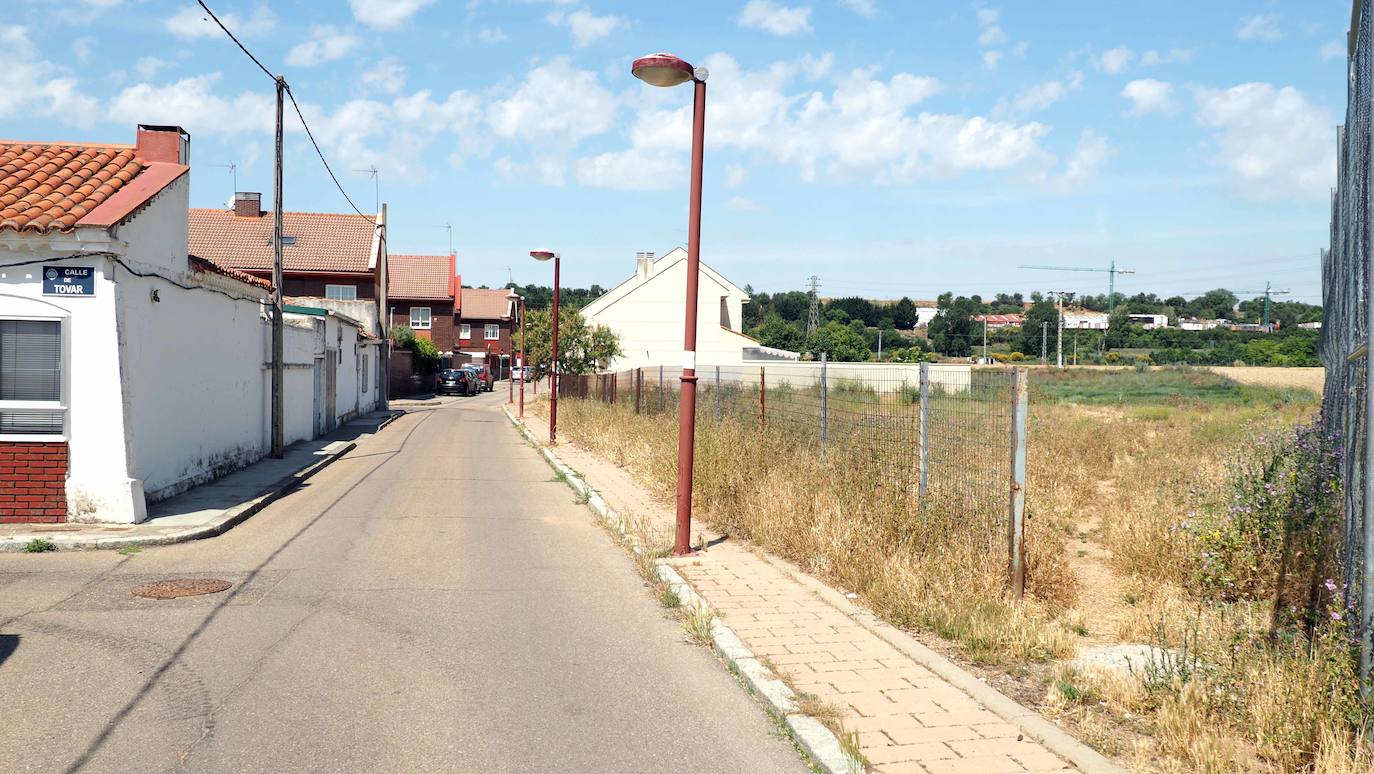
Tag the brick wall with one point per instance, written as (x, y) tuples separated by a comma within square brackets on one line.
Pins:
[(33, 482)]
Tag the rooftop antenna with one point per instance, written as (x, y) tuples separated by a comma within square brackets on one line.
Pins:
[(449, 228), (510, 277), (376, 185), (234, 174)]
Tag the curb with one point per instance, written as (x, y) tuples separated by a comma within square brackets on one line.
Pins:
[(819, 742), (226, 521)]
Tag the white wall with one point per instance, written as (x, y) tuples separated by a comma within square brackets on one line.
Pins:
[(649, 320)]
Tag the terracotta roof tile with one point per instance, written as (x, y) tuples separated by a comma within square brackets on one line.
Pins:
[(204, 264), (485, 304), (50, 187), (325, 242), (420, 277)]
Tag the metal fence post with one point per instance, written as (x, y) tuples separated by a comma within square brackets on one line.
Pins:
[(1016, 542), (763, 401), (717, 393), (639, 386), (825, 423), (662, 396), (924, 455)]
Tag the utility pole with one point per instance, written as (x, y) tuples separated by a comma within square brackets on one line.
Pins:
[(1075, 347), (880, 344), (985, 338), (1044, 334), (278, 364), (1059, 341), (813, 315)]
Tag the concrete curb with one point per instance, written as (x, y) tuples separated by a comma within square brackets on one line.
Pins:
[(1032, 723), (819, 742), (227, 520)]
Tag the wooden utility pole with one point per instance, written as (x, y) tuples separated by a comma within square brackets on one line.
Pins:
[(278, 355)]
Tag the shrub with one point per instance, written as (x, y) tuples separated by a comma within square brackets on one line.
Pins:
[(426, 360)]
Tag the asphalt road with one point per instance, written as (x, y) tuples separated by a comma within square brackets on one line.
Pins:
[(434, 601)]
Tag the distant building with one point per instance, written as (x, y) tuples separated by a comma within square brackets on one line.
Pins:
[(1150, 321), (420, 294), (925, 312), (1082, 319), (1197, 324), (646, 312), (995, 321), (485, 321), (1310, 326)]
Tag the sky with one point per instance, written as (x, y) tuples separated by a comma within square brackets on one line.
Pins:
[(889, 147)]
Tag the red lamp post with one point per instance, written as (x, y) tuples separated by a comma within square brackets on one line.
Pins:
[(666, 70), (544, 255), (511, 297), (522, 357)]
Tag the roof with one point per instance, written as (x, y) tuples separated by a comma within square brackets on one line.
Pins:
[(324, 242), (661, 265), (425, 277), (47, 187), (203, 264), (485, 303)]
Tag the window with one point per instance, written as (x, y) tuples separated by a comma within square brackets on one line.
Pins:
[(367, 371), (341, 292), (465, 331), (492, 332), (31, 378), (419, 317)]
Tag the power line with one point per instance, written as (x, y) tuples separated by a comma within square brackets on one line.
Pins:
[(323, 160), (242, 48)]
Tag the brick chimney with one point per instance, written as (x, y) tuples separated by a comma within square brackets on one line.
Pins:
[(169, 144), (247, 205)]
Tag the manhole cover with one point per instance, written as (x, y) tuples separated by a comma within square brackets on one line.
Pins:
[(180, 587)]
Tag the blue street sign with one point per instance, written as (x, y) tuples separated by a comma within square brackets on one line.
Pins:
[(68, 281)]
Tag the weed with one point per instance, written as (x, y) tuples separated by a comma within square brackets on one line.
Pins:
[(853, 749), (129, 550), (667, 596), (697, 622), (39, 545)]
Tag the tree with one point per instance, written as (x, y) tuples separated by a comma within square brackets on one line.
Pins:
[(952, 331), (778, 333), (904, 314), (1041, 313), (793, 305), (582, 348), (839, 342)]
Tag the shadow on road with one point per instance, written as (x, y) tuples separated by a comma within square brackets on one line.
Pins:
[(9, 643)]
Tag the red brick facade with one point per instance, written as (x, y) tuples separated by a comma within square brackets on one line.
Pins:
[(443, 330), (33, 483)]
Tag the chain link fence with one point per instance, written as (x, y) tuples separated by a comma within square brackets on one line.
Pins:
[(929, 435), (1344, 337)]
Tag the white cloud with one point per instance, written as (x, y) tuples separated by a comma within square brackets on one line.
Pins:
[(1262, 27), (556, 101), (864, 128), (775, 19), (1040, 96), (989, 31), (1154, 58), (634, 169), (492, 35), (148, 67), (386, 14), (865, 8), (743, 204), (1336, 49), (1148, 95), (192, 22), (82, 47), (325, 45), (388, 76), (1090, 154), (586, 28), (102, 3), (1115, 61), (544, 170), (991, 59), (191, 103), (1273, 140), (735, 175), (32, 85)]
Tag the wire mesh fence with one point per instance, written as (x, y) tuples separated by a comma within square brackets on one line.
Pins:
[(927, 435)]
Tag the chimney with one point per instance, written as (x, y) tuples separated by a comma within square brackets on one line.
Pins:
[(247, 205), (169, 144), (644, 266)]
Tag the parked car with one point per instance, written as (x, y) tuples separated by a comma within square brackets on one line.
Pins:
[(456, 381), (482, 376)]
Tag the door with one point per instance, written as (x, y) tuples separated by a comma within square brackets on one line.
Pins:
[(317, 427), (331, 380)]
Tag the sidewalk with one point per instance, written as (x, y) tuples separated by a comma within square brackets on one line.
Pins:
[(209, 509), (913, 710)]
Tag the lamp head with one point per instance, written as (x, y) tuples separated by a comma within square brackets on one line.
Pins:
[(543, 255), (664, 70)]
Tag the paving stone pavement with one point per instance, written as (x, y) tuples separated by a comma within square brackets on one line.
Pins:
[(908, 719)]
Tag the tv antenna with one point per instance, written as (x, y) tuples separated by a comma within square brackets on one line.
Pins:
[(448, 227), (234, 175), (376, 185)]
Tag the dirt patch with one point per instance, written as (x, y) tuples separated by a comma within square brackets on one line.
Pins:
[(1283, 378)]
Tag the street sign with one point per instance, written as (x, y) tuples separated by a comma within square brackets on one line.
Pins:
[(68, 281)]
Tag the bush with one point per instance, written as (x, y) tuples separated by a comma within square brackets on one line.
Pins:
[(426, 359), (403, 336)]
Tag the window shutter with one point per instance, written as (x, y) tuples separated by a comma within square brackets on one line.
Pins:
[(31, 360)]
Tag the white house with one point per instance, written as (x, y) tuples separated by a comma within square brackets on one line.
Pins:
[(1150, 321), (647, 312), (130, 370), (1084, 320)]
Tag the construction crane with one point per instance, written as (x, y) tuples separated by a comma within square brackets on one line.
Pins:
[(1267, 293), (1111, 272)]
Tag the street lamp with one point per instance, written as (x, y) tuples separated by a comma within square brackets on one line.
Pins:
[(511, 298), (544, 255), (667, 70)]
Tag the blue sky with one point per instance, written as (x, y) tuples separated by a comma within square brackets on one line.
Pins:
[(892, 148)]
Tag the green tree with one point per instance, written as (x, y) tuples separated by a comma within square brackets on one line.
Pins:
[(839, 342), (904, 314), (582, 348), (953, 330), (780, 334), (1029, 339)]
